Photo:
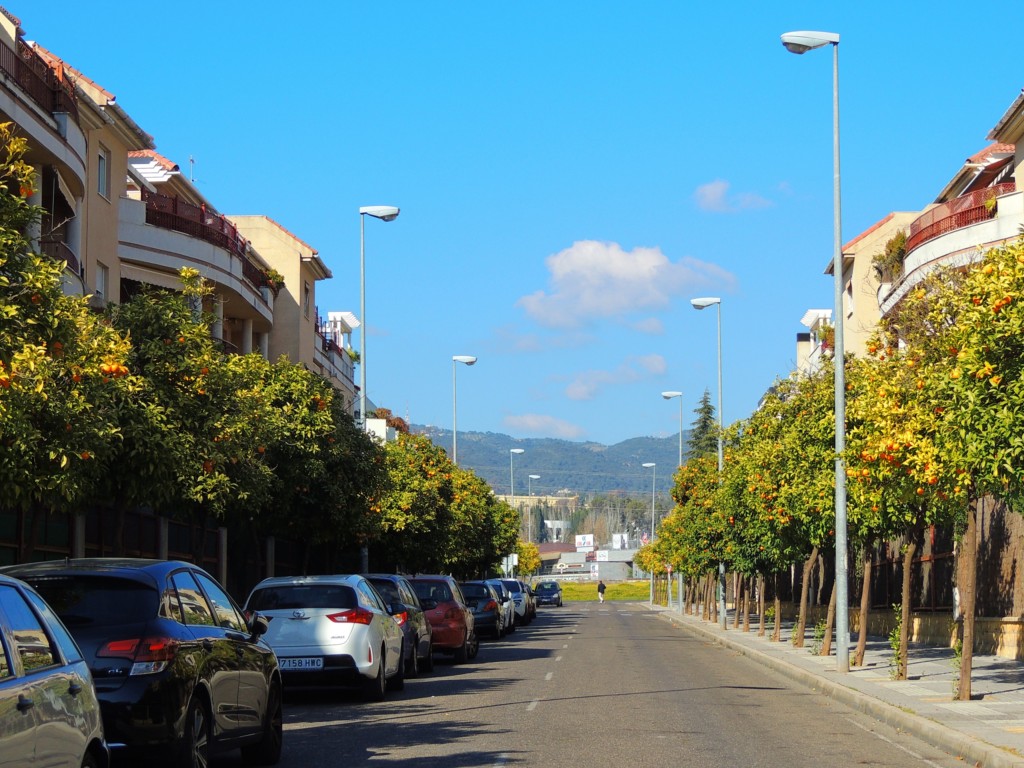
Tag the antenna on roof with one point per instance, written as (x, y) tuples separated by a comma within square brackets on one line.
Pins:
[(191, 169)]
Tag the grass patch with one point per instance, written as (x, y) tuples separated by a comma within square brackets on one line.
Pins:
[(635, 591)]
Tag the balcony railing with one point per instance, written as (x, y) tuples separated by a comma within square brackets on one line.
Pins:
[(59, 251), (38, 80), (196, 221), (969, 209)]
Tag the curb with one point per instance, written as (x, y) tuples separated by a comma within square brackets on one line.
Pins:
[(957, 743)]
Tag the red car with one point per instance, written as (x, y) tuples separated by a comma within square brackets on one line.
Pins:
[(451, 620)]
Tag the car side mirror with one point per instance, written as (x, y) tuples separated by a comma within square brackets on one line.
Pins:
[(258, 625)]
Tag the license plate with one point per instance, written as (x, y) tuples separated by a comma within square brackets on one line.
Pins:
[(302, 663)]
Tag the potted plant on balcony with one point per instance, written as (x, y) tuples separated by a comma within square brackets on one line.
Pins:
[(273, 280), (888, 263)]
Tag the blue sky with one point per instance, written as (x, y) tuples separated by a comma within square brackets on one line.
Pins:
[(570, 175)]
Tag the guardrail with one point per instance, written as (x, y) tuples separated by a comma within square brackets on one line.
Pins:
[(966, 210)]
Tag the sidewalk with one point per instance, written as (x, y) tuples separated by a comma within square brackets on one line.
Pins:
[(987, 731)]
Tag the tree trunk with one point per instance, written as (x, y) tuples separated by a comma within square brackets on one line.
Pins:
[(760, 604), (712, 585), (738, 596), (707, 608), (777, 629), (830, 618), (968, 577), (821, 579), (805, 589), (865, 609), (908, 562)]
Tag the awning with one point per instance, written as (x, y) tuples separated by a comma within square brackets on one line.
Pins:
[(151, 276)]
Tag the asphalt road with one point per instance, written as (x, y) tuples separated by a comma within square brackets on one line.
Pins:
[(594, 685)]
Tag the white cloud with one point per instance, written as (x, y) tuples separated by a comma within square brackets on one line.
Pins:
[(588, 383), (594, 280), (651, 325), (548, 426), (714, 196)]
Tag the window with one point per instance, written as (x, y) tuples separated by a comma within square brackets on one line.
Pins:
[(103, 172), (193, 603), (30, 640), (306, 297), (369, 597), (227, 616), (60, 635), (102, 275)]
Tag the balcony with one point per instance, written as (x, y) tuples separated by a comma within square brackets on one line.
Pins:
[(972, 208), (59, 251), (51, 92)]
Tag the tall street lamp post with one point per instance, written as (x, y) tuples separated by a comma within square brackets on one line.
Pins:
[(512, 473), (384, 213), (654, 470), (704, 303), (465, 360), (669, 396), (529, 492), (801, 42)]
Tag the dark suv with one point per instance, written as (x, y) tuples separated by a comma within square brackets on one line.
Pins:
[(548, 593), (401, 598), (179, 672)]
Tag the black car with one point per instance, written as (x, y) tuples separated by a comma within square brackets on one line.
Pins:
[(178, 670), (548, 593), (483, 601), (405, 607)]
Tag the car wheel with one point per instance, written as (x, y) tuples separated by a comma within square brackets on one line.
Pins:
[(89, 761), (474, 646), (427, 662), (195, 747), (375, 688), (267, 751), (512, 625), (412, 666), (397, 683)]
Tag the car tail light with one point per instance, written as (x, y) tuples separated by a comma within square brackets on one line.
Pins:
[(401, 617), (492, 605), (453, 614), (149, 654), (352, 616)]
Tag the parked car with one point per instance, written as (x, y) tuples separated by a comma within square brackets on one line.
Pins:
[(49, 713), (508, 606), (483, 602), (548, 593), (405, 607), (451, 620), (179, 672), (525, 606), (332, 630)]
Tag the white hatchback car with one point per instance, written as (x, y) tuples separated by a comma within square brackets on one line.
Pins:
[(331, 630)]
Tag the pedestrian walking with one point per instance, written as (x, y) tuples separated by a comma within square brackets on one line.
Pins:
[(600, 591)]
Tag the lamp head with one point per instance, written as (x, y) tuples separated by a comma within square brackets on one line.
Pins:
[(802, 42), (382, 212), (534, 477), (467, 359), (671, 394), (649, 464), (517, 450), (705, 302)]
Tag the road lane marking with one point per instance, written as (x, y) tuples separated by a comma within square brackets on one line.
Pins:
[(532, 705), (549, 675), (565, 646), (558, 658)]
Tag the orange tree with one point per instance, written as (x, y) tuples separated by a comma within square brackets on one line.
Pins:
[(58, 363), (483, 529), (974, 343)]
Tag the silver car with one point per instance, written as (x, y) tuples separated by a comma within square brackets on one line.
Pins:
[(331, 630), (49, 714)]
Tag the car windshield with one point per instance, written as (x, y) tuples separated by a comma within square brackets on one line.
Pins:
[(513, 585), (475, 591), (546, 587), (280, 597), (97, 601), (437, 591)]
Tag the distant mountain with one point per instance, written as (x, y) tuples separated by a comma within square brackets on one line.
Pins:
[(584, 468)]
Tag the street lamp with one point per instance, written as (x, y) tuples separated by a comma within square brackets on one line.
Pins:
[(512, 473), (529, 492), (669, 396), (384, 213), (801, 42), (465, 360), (654, 471), (698, 304)]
